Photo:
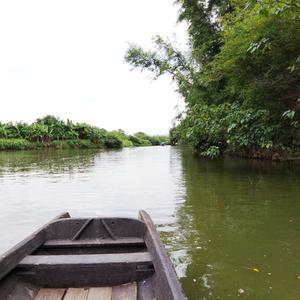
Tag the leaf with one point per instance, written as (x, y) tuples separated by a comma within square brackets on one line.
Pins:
[(253, 269), (289, 114)]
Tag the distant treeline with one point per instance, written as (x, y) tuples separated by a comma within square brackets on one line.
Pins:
[(53, 132)]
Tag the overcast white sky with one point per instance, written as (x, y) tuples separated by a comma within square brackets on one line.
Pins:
[(66, 58)]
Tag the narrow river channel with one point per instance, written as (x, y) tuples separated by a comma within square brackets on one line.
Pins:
[(232, 226)]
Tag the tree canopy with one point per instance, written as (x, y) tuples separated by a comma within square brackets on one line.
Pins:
[(243, 62)]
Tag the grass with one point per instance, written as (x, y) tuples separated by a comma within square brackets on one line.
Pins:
[(22, 144), (15, 144)]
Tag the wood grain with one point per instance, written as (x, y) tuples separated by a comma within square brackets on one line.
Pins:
[(50, 294), (84, 259), (103, 293), (10, 259), (76, 294), (132, 241), (166, 283), (125, 292)]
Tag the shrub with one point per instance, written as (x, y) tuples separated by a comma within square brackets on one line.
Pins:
[(216, 129), (112, 140), (15, 144), (212, 152), (53, 132)]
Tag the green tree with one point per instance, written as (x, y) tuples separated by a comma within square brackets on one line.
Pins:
[(243, 58)]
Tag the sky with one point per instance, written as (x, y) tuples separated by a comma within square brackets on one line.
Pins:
[(66, 58)]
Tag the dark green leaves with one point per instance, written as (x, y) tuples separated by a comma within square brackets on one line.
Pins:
[(240, 52)]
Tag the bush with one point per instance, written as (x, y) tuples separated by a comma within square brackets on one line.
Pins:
[(15, 144), (140, 139), (50, 131), (112, 140), (216, 129), (212, 152)]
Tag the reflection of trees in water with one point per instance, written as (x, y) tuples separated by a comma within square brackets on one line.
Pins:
[(233, 212), (49, 161)]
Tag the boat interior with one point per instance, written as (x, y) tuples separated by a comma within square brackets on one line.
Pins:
[(94, 258)]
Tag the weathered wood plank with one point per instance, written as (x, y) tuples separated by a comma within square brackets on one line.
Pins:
[(99, 269), (76, 294), (145, 289), (103, 293), (85, 259), (50, 294), (103, 228), (11, 258), (125, 292), (90, 250), (166, 283), (11, 288), (93, 243)]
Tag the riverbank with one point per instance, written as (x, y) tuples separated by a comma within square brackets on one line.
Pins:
[(265, 154), (258, 154), (52, 132), (23, 144)]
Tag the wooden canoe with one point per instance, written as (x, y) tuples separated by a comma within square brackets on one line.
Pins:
[(96, 258)]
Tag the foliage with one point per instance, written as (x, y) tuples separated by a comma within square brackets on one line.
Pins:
[(15, 144), (112, 140), (239, 78), (119, 135), (256, 58), (50, 131), (212, 152), (231, 128), (142, 139), (157, 140)]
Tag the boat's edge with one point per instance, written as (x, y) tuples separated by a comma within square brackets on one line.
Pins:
[(11, 258), (166, 281)]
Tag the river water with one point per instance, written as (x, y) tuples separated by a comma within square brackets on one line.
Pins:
[(231, 226)]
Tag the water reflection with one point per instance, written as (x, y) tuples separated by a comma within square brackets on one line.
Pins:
[(45, 162), (229, 224), (37, 185), (239, 229)]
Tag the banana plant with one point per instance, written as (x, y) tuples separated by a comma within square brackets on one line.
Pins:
[(3, 131)]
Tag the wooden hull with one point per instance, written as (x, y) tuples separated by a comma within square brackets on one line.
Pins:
[(93, 257)]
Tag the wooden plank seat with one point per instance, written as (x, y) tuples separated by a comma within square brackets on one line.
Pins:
[(94, 243), (123, 292), (90, 259), (91, 246), (84, 270)]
